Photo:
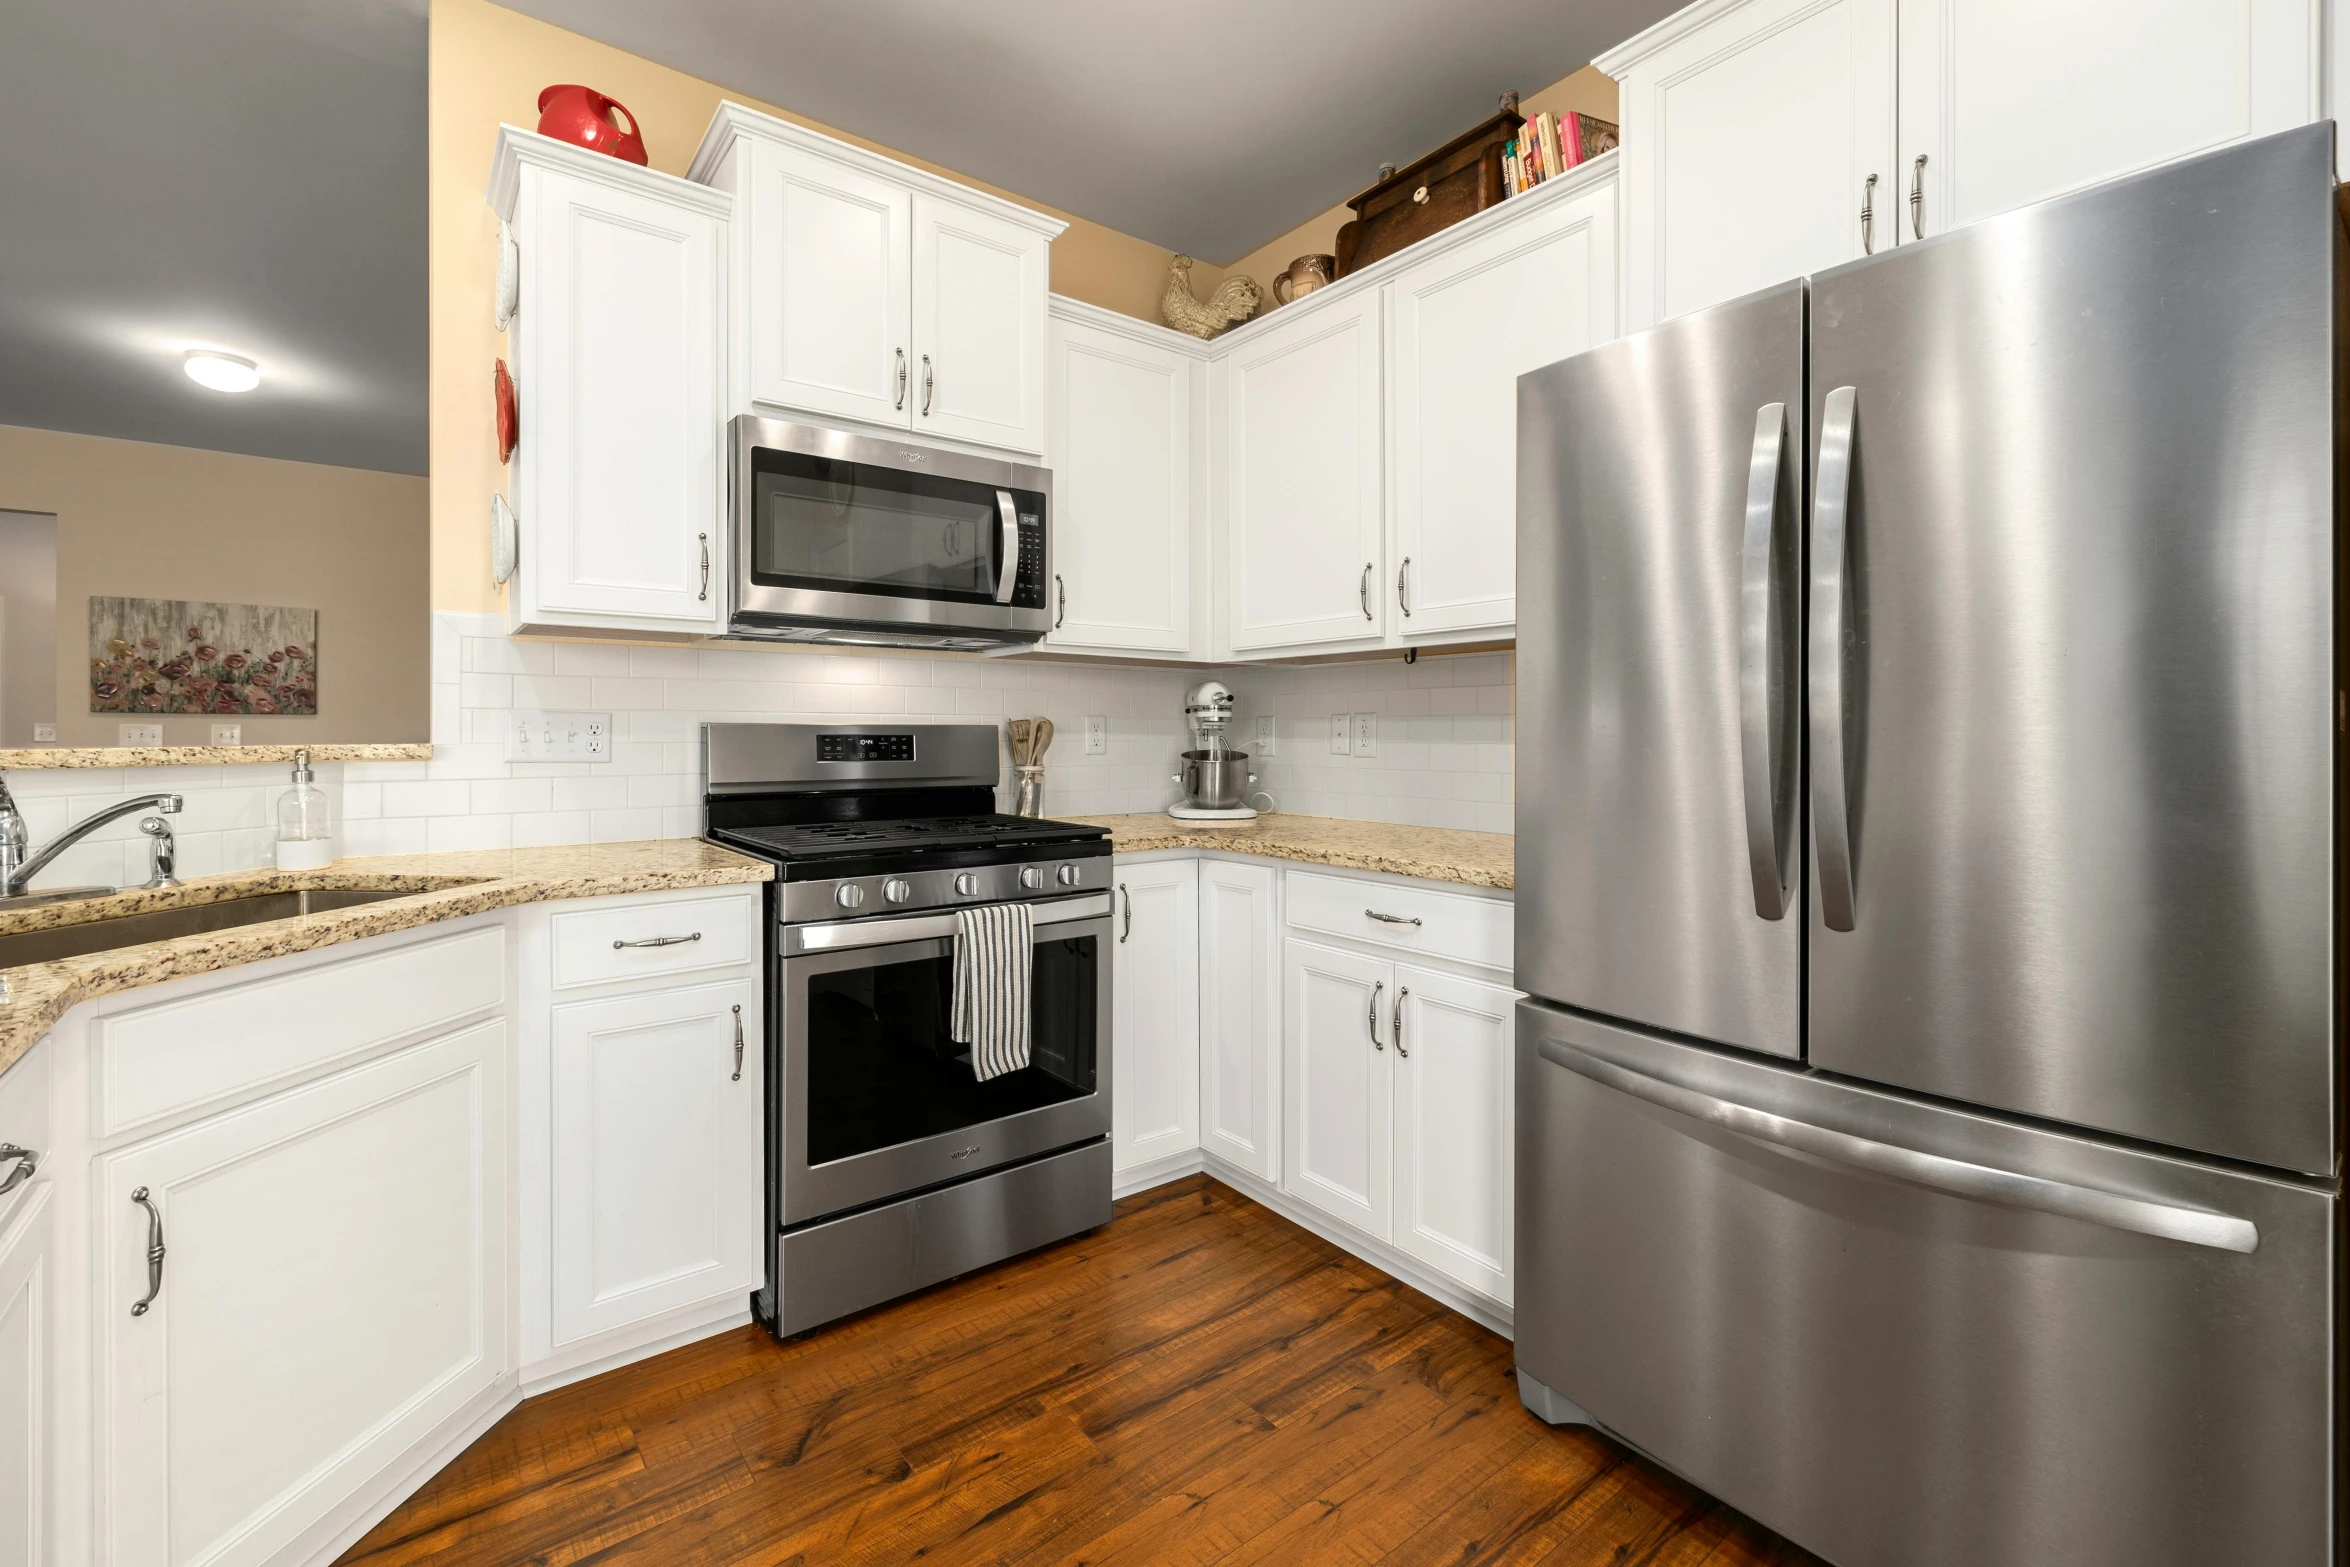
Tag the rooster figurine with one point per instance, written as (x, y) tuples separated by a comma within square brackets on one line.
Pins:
[(1234, 301)]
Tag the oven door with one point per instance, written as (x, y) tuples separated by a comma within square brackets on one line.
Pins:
[(877, 1101), (846, 533)]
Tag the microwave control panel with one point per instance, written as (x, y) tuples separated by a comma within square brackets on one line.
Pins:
[(1028, 584)]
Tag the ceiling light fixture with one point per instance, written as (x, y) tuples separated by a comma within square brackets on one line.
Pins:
[(221, 372)]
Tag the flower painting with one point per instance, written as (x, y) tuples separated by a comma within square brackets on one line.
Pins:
[(170, 656)]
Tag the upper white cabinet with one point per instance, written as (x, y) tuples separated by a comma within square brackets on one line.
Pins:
[(1756, 134), (1154, 1098), (1303, 479), (1121, 454), (873, 291), (2007, 102), (618, 364), (1464, 325)]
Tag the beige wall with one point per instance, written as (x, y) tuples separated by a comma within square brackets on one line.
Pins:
[(488, 65), (171, 522), (1585, 92)]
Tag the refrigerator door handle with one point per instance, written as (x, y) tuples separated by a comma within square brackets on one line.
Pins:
[(1762, 686), (1831, 822), (1958, 1177)]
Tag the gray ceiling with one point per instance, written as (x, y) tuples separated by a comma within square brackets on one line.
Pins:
[(1209, 128), (246, 175)]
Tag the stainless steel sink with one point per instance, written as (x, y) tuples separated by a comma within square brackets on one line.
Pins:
[(131, 930)]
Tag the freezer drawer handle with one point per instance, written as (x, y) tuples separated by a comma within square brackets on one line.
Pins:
[(1980, 1182), (1763, 622), (1831, 820)]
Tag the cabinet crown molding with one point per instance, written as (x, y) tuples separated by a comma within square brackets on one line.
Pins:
[(1076, 311), (517, 146), (733, 122), (1638, 47)]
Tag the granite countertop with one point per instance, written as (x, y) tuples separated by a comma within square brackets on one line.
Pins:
[(1475, 859), (445, 886), (40, 756)]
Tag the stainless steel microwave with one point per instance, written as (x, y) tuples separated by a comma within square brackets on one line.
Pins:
[(850, 538)]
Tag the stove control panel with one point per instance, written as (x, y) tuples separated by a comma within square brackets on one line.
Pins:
[(865, 748), (909, 891)]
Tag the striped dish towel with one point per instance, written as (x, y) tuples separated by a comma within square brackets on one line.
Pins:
[(992, 955)]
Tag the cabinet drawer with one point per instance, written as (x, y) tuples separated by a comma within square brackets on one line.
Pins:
[(1420, 919), (636, 939), (24, 1121), (156, 1061)]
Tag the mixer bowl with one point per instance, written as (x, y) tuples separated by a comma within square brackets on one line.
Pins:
[(1216, 782)]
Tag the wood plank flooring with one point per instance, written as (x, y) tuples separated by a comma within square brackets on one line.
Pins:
[(1199, 1382)]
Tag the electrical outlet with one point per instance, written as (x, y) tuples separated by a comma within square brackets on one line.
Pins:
[(228, 734), (1366, 734), (1097, 734), (44, 734), (138, 734), (558, 737), (1265, 735), (1342, 734)]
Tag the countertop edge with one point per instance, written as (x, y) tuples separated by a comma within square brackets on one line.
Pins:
[(37, 757), (1149, 835)]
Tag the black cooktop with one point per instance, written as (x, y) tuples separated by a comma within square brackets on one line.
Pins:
[(821, 840)]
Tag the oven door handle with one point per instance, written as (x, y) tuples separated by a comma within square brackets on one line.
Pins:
[(837, 935), (1008, 574)]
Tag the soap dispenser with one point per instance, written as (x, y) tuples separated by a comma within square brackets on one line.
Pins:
[(305, 823)]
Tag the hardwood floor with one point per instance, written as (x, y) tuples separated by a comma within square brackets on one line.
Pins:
[(1200, 1382)]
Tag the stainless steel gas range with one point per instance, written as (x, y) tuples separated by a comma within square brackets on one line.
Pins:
[(890, 1167)]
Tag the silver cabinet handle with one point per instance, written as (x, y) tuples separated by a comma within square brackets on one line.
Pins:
[(1363, 590), (1831, 823), (704, 595), (1007, 574), (1371, 1016), (1403, 602), (929, 383), (1061, 598), (1868, 216), (1917, 198), (27, 1162), (657, 941), (1958, 1177), (1392, 919), (1762, 666), (1395, 1020), (901, 378), (1126, 899), (738, 1044), (154, 1253)]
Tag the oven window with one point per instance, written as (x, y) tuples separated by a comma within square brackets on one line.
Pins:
[(881, 1069), (844, 527)]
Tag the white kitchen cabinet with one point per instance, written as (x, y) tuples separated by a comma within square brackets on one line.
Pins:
[(1154, 1072), (1756, 133), (1304, 480), (1455, 1124), (1240, 1016), (332, 1292), (2008, 102), (657, 1176), (1464, 325), (1121, 453), (618, 359), (28, 1351), (980, 283), (1337, 1090)]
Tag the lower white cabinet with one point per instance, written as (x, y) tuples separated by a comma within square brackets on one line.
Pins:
[(27, 1400), (657, 1176), (1154, 1071), (1336, 1126), (1240, 1016), (293, 1296)]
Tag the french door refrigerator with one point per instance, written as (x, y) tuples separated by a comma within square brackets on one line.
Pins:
[(1927, 709)]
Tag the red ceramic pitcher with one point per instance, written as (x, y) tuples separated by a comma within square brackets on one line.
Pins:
[(583, 115)]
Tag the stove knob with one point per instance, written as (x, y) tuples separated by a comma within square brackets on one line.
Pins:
[(1071, 875), (1032, 876), (897, 889), (849, 896), (966, 884)]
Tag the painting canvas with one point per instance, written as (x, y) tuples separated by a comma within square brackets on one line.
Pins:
[(172, 656)]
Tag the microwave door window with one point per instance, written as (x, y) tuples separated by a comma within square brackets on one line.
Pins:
[(844, 527)]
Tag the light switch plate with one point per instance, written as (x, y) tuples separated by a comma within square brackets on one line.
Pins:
[(138, 734), (44, 734), (1366, 734), (1097, 735), (558, 737), (1266, 738), (1342, 734), (228, 734)]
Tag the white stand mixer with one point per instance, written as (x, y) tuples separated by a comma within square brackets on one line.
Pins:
[(1215, 780)]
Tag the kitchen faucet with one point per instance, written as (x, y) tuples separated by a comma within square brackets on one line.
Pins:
[(18, 865)]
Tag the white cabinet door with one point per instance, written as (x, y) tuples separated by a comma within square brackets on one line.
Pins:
[(28, 1350), (1303, 465), (829, 285), (1465, 325), (1337, 1084), (979, 300), (1455, 1125), (620, 376), (1154, 1032), (656, 1154), (1750, 140), (1121, 520), (332, 1291), (1240, 1016), (2008, 102)]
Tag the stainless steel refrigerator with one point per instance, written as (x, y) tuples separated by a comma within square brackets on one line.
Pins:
[(1927, 832)]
